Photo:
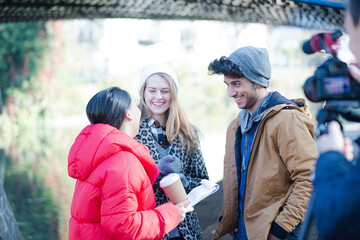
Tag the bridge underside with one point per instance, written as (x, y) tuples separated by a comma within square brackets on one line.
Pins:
[(319, 14)]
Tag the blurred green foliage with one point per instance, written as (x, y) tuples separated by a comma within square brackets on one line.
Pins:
[(22, 50)]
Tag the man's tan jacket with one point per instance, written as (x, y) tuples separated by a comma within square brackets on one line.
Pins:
[(278, 183)]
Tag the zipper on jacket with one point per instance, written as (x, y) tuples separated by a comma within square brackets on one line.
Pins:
[(243, 168), (243, 165)]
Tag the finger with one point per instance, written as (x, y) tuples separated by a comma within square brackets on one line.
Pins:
[(334, 129), (184, 204), (348, 149), (348, 142), (355, 72), (189, 209)]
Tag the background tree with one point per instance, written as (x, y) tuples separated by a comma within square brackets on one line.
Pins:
[(22, 50)]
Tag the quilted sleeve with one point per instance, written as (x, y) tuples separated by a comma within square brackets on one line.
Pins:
[(128, 204)]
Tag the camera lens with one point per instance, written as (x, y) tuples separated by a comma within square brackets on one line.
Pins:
[(309, 89)]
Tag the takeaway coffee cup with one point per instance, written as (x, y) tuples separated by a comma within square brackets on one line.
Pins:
[(173, 188)]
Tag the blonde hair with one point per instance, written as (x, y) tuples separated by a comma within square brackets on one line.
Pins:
[(177, 124)]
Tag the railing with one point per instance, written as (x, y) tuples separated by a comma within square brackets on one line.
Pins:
[(9, 229)]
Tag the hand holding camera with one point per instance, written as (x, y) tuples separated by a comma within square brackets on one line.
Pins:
[(338, 85), (334, 141), (354, 72), (334, 82)]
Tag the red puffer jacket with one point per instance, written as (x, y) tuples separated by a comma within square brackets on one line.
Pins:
[(113, 196)]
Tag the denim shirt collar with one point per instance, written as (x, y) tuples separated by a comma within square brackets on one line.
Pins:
[(247, 120)]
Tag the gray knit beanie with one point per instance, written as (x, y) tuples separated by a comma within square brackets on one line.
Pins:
[(253, 63)]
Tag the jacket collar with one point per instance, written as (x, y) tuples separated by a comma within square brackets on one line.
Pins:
[(247, 120), (276, 103)]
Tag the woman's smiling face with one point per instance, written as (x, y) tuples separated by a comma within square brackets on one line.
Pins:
[(157, 96)]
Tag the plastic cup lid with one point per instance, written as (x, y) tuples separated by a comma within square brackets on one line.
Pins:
[(169, 179)]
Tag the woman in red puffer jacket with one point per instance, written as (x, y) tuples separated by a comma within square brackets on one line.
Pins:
[(113, 196)]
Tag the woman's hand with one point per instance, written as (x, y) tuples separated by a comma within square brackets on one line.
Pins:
[(183, 208)]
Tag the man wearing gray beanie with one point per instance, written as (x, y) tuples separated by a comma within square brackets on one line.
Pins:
[(270, 153)]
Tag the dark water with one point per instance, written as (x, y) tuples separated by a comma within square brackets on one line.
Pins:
[(37, 185)]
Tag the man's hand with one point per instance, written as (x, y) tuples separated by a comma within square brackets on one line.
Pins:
[(348, 149), (355, 72), (272, 237), (232, 233), (334, 141)]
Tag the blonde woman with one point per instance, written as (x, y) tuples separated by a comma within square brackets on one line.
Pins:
[(165, 130)]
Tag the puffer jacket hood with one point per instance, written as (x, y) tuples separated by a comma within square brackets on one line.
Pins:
[(102, 141)]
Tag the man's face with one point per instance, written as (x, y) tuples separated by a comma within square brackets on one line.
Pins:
[(243, 91), (354, 34)]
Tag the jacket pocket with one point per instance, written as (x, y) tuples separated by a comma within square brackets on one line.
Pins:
[(276, 188)]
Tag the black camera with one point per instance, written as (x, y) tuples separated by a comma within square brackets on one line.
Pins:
[(332, 81)]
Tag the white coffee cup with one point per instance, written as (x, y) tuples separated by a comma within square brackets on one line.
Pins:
[(173, 188)]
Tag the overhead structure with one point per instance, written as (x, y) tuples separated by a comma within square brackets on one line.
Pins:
[(319, 14)]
